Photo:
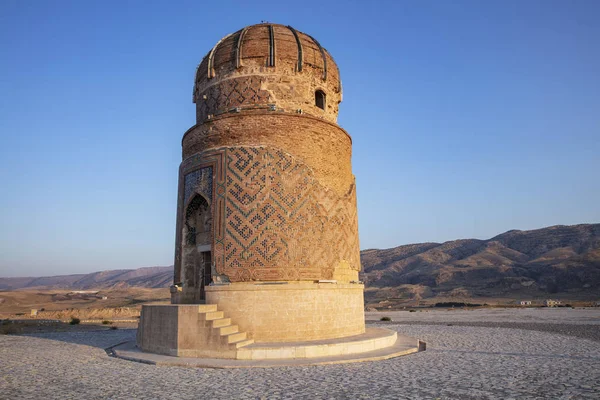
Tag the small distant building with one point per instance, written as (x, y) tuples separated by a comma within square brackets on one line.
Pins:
[(552, 303), (104, 298), (525, 302), (34, 312)]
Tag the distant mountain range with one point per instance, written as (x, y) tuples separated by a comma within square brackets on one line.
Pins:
[(548, 262), (558, 260), (148, 277)]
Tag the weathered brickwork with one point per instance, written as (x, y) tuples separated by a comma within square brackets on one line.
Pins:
[(276, 221), (324, 147), (291, 70), (192, 168), (230, 94), (199, 181)]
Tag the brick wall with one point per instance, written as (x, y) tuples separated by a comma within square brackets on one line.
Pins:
[(324, 147), (273, 220), (282, 84)]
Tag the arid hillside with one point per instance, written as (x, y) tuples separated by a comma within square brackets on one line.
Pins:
[(149, 277), (558, 261)]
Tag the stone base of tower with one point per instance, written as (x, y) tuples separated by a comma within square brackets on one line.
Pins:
[(280, 323), (292, 311), (373, 345)]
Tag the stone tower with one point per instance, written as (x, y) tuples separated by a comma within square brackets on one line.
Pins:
[(266, 218), (267, 253)]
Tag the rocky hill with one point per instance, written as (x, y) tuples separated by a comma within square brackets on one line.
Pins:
[(550, 262)]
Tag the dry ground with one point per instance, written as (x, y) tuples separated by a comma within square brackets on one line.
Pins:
[(23, 301), (462, 361)]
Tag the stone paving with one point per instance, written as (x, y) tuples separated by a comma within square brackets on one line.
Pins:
[(461, 362)]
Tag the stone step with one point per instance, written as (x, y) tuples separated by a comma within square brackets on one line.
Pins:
[(204, 308), (228, 330), (235, 337), (286, 354), (212, 315), (217, 323), (243, 343), (374, 339)]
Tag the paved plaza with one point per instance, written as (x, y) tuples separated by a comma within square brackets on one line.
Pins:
[(503, 360)]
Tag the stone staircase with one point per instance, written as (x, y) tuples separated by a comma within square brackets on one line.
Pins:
[(229, 336)]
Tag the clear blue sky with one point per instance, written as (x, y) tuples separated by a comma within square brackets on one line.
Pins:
[(469, 118)]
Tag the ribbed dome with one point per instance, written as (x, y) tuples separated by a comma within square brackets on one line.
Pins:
[(272, 50)]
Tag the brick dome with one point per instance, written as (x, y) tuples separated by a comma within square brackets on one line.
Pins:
[(282, 69)]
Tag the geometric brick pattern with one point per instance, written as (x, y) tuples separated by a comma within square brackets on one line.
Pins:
[(201, 174), (281, 223), (231, 93), (277, 221), (198, 181)]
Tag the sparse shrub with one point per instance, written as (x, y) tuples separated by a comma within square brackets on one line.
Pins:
[(75, 321), (412, 310), (7, 327), (106, 322), (456, 304), (114, 328), (385, 319)]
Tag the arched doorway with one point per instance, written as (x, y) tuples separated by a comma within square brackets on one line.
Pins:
[(197, 257)]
